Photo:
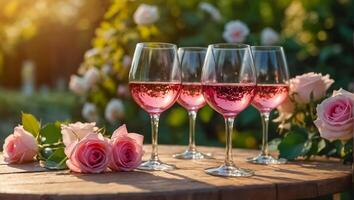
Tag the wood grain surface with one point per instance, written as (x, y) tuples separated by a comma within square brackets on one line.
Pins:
[(299, 179)]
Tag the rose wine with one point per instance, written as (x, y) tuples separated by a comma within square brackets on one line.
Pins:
[(155, 97), (269, 96), (229, 99), (191, 97)]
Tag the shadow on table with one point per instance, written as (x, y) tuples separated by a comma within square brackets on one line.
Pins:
[(322, 165), (149, 181), (21, 168)]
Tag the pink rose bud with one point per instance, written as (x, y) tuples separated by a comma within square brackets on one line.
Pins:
[(20, 147), (127, 150), (91, 154), (335, 116)]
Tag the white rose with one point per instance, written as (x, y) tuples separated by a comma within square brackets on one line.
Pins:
[(269, 36), (78, 85), (106, 69), (302, 86), (76, 131), (123, 91), (89, 112), (114, 110), (211, 10), (127, 61), (146, 14), (92, 76), (235, 31), (91, 52)]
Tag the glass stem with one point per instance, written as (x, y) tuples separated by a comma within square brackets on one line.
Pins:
[(265, 122), (154, 135), (192, 116), (229, 124)]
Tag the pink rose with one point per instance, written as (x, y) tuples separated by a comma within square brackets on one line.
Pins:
[(235, 31), (335, 116), (127, 150), (91, 154), (20, 147), (302, 86), (77, 131)]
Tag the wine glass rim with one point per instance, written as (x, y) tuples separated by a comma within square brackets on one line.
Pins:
[(197, 49), (156, 45), (266, 48), (229, 46)]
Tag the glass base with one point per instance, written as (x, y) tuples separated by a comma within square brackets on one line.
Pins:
[(192, 155), (156, 165), (266, 160), (229, 171)]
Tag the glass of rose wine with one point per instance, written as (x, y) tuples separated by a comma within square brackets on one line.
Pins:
[(272, 90), (191, 97), (155, 84), (229, 85)]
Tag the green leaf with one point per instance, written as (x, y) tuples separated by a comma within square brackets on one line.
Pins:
[(51, 133), (321, 145), (294, 145), (31, 124), (57, 160)]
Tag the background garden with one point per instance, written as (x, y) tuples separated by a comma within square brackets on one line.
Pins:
[(44, 42)]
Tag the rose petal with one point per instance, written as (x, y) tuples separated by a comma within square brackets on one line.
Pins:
[(121, 131)]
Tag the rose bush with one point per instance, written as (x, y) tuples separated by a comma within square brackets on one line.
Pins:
[(315, 124), (309, 45)]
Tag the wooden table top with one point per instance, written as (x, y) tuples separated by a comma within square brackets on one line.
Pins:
[(300, 179)]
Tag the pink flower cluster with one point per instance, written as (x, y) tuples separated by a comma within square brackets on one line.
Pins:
[(335, 115), (89, 152)]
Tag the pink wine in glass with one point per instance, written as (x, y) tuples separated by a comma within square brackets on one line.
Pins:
[(191, 97), (229, 99), (155, 97), (269, 96)]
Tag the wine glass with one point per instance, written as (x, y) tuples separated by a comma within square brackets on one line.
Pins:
[(191, 97), (155, 83), (229, 85), (272, 90)]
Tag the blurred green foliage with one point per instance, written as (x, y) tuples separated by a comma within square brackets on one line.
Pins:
[(49, 107)]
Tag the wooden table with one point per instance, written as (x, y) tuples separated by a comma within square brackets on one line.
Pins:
[(300, 179)]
